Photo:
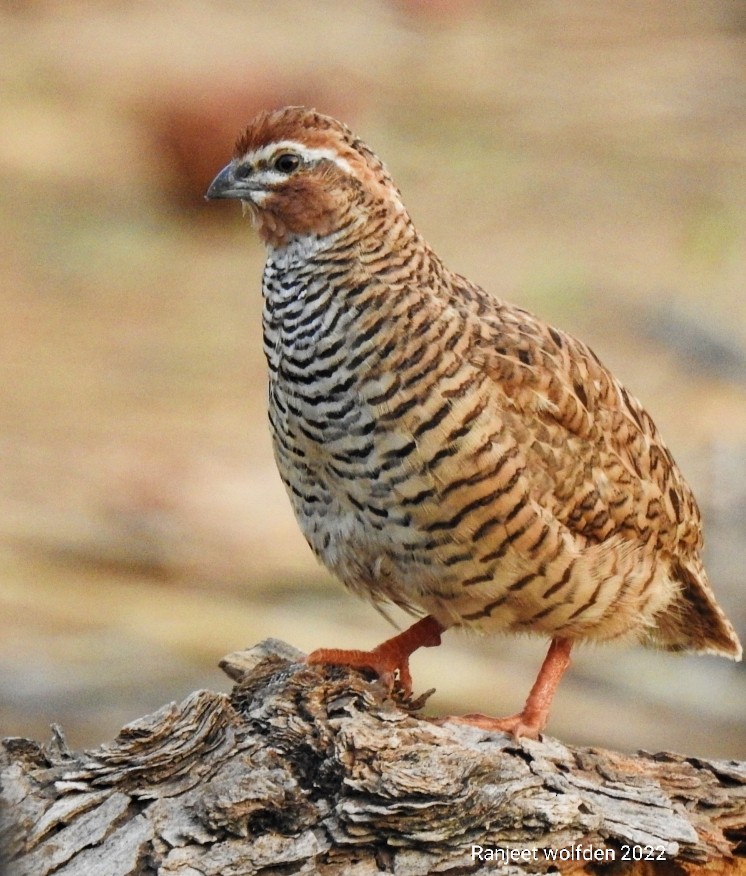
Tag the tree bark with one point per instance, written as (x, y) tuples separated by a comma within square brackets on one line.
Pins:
[(316, 769)]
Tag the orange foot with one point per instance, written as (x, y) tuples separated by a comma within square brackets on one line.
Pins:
[(532, 720), (516, 725), (390, 657)]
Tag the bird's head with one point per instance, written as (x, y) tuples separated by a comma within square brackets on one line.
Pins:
[(299, 173)]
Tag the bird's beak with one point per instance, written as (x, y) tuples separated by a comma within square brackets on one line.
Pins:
[(225, 185)]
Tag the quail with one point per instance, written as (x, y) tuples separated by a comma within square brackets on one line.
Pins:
[(446, 451)]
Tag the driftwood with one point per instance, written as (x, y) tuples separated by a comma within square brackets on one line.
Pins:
[(306, 769)]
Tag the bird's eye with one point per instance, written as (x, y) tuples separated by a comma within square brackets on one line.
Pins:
[(287, 162)]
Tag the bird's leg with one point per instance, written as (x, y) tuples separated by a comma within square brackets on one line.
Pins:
[(390, 656), (530, 721)]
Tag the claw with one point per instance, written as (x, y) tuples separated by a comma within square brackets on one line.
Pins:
[(390, 660), (517, 725), (386, 666)]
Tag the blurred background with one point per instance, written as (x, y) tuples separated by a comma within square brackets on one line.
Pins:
[(585, 160)]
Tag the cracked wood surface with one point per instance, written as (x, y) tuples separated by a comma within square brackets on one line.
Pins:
[(308, 769)]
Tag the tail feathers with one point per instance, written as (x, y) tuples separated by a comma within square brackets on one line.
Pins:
[(694, 621)]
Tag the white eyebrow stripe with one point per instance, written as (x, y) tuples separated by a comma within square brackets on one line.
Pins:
[(306, 152)]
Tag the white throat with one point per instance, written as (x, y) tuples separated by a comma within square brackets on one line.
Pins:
[(299, 249)]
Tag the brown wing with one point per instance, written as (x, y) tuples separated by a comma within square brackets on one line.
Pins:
[(598, 463), (595, 455)]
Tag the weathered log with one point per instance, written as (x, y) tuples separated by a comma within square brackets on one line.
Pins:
[(308, 769)]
